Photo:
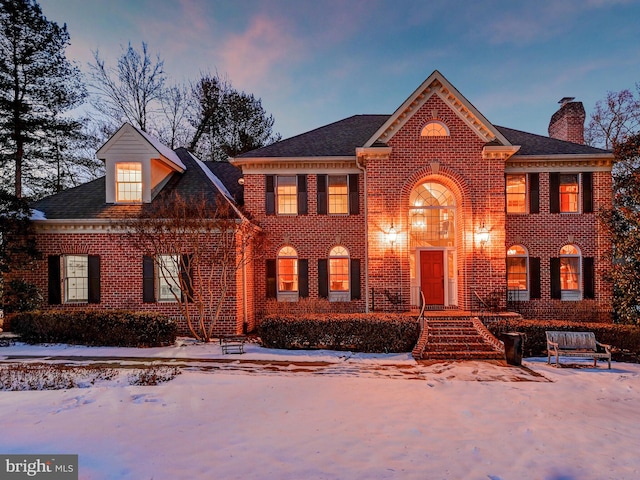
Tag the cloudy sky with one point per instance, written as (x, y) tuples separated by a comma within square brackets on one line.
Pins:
[(313, 62)]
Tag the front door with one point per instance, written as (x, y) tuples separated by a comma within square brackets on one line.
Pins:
[(432, 276)]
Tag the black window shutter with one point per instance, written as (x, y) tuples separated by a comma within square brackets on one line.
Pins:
[(588, 269), (534, 277), (534, 193), (354, 195), (556, 291), (270, 196), (554, 193), (186, 274), (271, 279), (302, 195), (323, 278), (322, 194), (587, 192), (55, 281), (355, 279), (148, 280), (94, 279), (303, 278)]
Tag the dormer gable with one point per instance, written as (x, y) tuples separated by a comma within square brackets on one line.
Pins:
[(137, 165), (437, 84)]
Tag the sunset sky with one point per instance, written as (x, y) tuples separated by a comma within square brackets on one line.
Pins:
[(315, 62)]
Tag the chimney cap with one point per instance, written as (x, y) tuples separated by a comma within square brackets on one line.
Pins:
[(564, 100)]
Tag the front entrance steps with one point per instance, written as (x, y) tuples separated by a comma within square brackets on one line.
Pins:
[(457, 338)]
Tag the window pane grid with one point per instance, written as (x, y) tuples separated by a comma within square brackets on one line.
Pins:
[(129, 182), (168, 277), (338, 195), (76, 278), (516, 193), (287, 196), (569, 193), (339, 274)]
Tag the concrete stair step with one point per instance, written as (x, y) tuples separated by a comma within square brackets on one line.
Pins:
[(462, 355)]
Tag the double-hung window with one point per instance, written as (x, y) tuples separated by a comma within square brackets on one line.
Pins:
[(74, 278), (518, 273), (168, 272), (516, 185), (571, 192), (287, 195), (129, 182), (338, 195)]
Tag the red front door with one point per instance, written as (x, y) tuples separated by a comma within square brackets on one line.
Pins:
[(432, 276)]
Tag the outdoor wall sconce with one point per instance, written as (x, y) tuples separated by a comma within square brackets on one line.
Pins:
[(482, 235), (392, 236)]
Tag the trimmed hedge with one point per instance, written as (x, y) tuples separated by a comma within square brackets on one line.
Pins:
[(625, 339), (112, 328), (371, 333)]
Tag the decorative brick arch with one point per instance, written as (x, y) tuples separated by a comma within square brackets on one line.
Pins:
[(461, 192)]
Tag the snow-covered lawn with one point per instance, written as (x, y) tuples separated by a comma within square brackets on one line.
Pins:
[(331, 415)]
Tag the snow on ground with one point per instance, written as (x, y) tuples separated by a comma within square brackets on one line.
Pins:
[(274, 414)]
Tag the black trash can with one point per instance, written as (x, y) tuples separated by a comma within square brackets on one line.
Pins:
[(513, 346)]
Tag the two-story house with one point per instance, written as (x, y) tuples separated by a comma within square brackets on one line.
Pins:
[(432, 204), (434, 200)]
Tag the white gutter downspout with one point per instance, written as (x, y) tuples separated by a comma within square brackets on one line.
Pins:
[(366, 235)]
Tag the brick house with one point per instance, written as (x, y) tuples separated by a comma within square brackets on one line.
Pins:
[(372, 212), (89, 261), (374, 209)]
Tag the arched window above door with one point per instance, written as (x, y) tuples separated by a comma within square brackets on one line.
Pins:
[(431, 216)]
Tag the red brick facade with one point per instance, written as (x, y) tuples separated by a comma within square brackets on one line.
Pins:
[(427, 212)]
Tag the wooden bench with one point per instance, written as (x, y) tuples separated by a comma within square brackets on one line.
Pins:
[(576, 344), (8, 338), (232, 343)]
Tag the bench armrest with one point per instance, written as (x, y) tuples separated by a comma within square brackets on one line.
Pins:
[(607, 348)]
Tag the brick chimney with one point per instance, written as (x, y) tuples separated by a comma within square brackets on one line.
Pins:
[(568, 122)]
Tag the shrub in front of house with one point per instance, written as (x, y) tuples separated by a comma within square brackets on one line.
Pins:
[(625, 339), (371, 333), (113, 328)]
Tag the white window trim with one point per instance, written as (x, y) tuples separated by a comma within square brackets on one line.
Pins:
[(520, 295), (159, 278), (340, 295), (116, 183), (277, 195), (66, 279), (526, 194), (287, 295)]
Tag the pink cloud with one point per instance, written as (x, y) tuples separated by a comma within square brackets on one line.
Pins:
[(250, 56)]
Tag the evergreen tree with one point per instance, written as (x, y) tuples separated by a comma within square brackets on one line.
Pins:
[(38, 85)]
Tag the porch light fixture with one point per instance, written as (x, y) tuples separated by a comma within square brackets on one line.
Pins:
[(482, 235), (392, 235)]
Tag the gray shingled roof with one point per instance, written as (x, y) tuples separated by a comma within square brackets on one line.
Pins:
[(337, 139), (532, 144), (87, 201), (343, 137)]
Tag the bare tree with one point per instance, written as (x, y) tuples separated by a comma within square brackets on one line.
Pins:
[(614, 119), (175, 130), (199, 251), (131, 91)]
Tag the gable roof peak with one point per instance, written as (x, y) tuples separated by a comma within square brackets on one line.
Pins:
[(437, 84)]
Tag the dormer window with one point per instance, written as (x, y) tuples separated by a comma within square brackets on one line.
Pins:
[(434, 129), (129, 182)]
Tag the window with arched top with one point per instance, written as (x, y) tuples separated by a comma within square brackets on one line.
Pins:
[(518, 272), (431, 216), (435, 128), (338, 269), (570, 271), (287, 270)]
